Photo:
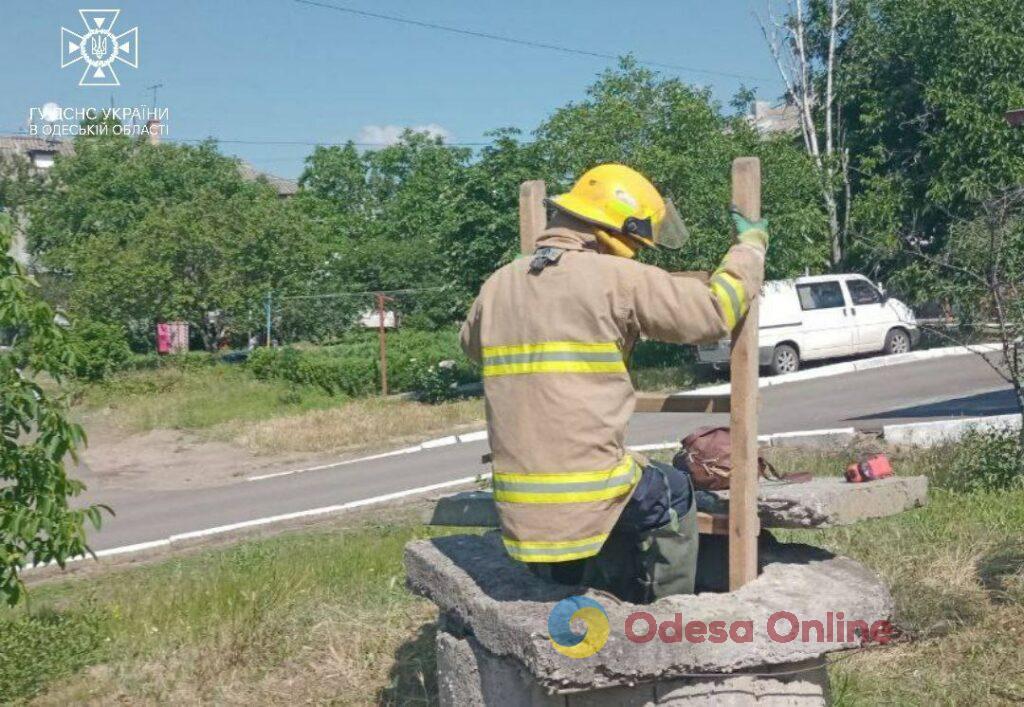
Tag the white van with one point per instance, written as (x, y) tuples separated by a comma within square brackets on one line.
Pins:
[(824, 316)]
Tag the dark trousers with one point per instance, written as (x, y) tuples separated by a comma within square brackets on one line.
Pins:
[(652, 550)]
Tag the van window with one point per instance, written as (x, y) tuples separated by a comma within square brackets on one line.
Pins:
[(820, 295), (863, 292)]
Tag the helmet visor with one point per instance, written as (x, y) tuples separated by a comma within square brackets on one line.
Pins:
[(671, 232)]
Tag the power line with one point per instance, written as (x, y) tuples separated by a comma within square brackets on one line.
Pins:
[(341, 295), (314, 143), (516, 40)]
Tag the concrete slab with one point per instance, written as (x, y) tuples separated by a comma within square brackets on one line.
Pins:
[(820, 503), (483, 593), (467, 509), (827, 502), (468, 674)]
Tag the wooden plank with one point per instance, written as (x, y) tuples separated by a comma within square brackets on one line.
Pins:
[(712, 523), (532, 214), (653, 402), (743, 365)]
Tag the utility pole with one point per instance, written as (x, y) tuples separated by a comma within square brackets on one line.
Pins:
[(382, 331), (268, 310)]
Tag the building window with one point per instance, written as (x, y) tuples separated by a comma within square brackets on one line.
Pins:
[(42, 160)]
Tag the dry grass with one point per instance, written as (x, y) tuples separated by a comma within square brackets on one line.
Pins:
[(359, 423), (226, 404)]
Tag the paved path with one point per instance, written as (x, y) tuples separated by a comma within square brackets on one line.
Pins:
[(927, 390)]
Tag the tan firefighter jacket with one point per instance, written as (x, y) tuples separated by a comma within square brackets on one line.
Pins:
[(558, 396)]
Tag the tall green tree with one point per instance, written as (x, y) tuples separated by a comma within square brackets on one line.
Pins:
[(37, 523), (393, 216), (139, 233), (425, 215), (677, 136), (924, 87)]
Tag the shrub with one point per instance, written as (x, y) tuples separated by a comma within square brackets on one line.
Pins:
[(658, 354), (438, 383), (335, 375), (100, 349), (188, 361), (351, 367), (985, 460)]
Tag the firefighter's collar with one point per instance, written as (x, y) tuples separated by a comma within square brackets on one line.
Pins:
[(567, 239)]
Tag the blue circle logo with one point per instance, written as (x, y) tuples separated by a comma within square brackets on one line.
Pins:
[(568, 642)]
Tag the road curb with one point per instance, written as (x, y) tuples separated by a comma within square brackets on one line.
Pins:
[(936, 432), (867, 364)]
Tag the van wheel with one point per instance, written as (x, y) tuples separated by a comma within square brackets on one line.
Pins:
[(897, 341), (785, 359)]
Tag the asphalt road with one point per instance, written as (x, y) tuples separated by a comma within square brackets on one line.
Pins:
[(954, 386)]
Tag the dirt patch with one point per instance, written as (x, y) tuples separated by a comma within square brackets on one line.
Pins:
[(166, 459), (170, 459)]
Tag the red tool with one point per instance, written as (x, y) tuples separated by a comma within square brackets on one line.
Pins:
[(869, 469)]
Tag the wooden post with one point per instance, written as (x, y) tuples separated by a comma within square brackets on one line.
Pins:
[(383, 335), (532, 214), (744, 525)]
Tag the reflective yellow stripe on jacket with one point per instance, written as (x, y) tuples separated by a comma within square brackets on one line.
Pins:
[(560, 551), (731, 296), (566, 487), (552, 357)]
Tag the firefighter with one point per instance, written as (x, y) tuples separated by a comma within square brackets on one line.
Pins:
[(550, 331)]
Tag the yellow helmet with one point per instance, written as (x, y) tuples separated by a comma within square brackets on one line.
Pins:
[(626, 208)]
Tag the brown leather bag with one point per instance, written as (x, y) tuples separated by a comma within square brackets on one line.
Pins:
[(707, 453)]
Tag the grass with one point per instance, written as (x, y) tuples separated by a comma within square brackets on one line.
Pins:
[(368, 422), (956, 571), (318, 616), (197, 399), (323, 616), (223, 402), (664, 379)]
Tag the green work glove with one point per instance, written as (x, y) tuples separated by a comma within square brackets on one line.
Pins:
[(753, 233)]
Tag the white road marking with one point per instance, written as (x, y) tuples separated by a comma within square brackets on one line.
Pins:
[(382, 455), (449, 440), (651, 447), (220, 529), (269, 520)]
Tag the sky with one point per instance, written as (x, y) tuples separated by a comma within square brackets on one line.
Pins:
[(286, 71)]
